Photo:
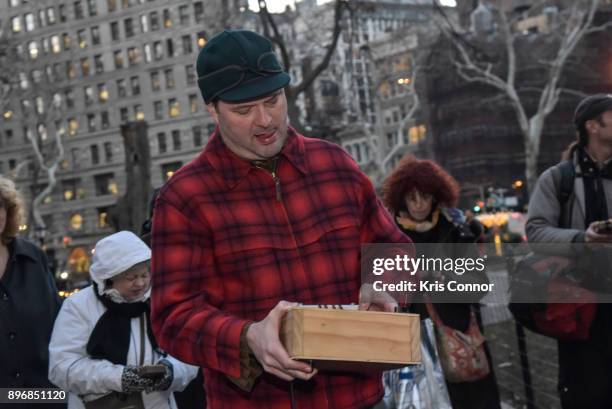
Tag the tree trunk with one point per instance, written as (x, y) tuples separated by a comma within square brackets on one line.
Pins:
[(133, 207)]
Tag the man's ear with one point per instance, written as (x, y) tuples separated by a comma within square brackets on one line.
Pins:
[(212, 110)]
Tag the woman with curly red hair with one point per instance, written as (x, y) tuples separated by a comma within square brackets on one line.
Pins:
[(421, 196)]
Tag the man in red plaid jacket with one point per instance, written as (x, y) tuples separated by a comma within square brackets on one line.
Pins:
[(263, 216)]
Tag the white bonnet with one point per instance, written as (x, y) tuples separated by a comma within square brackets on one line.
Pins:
[(115, 254)]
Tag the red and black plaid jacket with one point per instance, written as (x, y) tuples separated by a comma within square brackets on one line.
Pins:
[(226, 251)]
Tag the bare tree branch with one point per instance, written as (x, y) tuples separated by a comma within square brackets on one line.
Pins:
[(312, 75), (577, 23)]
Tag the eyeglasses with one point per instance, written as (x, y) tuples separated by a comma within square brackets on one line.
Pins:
[(231, 76)]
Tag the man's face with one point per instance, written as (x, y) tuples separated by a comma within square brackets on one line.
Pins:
[(254, 130), (601, 128)]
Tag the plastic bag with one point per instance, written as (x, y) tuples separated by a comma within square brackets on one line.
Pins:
[(418, 386)]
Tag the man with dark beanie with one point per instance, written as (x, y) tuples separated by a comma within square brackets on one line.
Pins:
[(263, 218), (585, 366)]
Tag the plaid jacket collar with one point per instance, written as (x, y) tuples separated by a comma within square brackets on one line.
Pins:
[(233, 168)]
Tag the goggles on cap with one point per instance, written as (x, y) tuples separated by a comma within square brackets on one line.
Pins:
[(231, 76)]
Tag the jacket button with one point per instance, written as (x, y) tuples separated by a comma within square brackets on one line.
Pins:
[(17, 375), (12, 335), (5, 296)]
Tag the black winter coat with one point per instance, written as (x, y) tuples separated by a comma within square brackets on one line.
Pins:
[(483, 393), (29, 304)]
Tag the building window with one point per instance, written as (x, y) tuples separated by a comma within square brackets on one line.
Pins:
[(102, 93), (139, 113), (98, 64), (118, 59), (161, 142), (169, 47), (154, 19), (95, 35), (73, 126), (190, 74), (158, 50), (114, 27), (148, 55), (176, 140), (135, 84), (85, 66), (111, 5), (69, 96), (167, 19), (16, 24), (416, 134), (183, 15), (104, 119), (105, 184), (62, 13), (174, 109), (41, 17), (144, 23), (155, 82), (88, 94), (70, 70), (59, 128), (41, 129), (95, 154), (55, 44), (103, 217), (124, 115), (76, 221), (121, 89), (169, 77), (108, 151), (72, 190), (158, 110), (197, 135), (193, 103), (78, 10), (91, 122), (66, 40), (198, 11), (29, 22), (33, 49), (187, 45), (91, 6), (82, 39), (45, 45), (133, 55), (128, 25), (169, 169)]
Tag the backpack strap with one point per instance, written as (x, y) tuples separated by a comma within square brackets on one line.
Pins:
[(563, 178)]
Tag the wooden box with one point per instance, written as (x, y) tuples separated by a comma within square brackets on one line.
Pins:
[(351, 340)]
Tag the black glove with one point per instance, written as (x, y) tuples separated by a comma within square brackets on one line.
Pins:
[(131, 381), (163, 383)]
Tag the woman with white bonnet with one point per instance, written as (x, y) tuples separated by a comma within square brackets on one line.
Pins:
[(102, 349)]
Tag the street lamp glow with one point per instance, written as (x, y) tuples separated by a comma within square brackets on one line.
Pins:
[(64, 275), (8, 114)]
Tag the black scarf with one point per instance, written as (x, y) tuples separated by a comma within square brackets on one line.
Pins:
[(596, 207), (110, 339)]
